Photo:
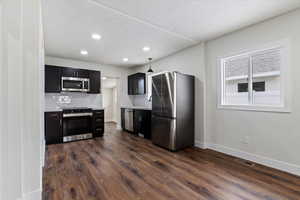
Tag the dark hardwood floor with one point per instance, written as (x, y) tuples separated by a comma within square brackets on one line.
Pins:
[(121, 166)]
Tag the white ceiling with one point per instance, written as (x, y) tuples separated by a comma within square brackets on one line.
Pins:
[(126, 26)]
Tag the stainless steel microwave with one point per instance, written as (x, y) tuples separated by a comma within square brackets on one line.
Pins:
[(74, 84)]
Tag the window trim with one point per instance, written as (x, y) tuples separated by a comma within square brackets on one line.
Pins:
[(285, 78)]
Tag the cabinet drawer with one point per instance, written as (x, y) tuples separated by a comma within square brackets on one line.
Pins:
[(99, 129), (98, 132), (99, 125), (99, 120), (99, 113)]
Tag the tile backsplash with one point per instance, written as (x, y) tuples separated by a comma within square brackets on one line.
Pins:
[(141, 100), (55, 101)]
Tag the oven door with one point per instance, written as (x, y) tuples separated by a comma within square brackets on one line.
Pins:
[(70, 84), (77, 127)]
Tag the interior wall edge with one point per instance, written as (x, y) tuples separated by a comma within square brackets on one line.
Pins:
[(200, 144), (34, 195)]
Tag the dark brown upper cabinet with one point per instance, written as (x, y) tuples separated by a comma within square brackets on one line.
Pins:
[(52, 79), (137, 84), (53, 75), (73, 72), (95, 82)]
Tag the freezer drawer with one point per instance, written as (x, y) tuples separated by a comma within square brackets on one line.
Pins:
[(164, 132)]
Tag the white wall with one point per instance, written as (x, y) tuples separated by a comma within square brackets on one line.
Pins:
[(107, 94), (20, 105), (189, 61), (1, 107), (106, 70), (115, 104), (273, 138)]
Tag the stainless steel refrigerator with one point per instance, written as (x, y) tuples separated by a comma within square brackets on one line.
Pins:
[(173, 110)]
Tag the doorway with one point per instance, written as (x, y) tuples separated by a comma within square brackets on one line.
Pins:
[(110, 99)]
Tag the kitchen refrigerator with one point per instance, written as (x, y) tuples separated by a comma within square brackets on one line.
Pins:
[(173, 110)]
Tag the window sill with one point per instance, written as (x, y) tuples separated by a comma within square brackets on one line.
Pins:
[(256, 108)]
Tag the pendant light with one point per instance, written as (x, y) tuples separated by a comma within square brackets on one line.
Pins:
[(150, 67)]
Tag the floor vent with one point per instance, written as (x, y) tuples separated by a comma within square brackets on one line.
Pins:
[(249, 163), (246, 162)]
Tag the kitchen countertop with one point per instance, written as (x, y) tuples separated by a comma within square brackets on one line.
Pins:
[(58, 109), (53, 109), (137, 107)]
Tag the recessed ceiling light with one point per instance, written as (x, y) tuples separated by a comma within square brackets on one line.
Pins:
[(104, 78), (84, 52), (146, 48), (96, 36), (125, 59)]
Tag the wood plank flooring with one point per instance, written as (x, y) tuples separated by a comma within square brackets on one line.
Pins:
[(120, 166)]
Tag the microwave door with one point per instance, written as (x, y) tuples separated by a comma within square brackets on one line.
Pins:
[(72, 85)]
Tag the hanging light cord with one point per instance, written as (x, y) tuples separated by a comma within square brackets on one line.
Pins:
[(150, 67)]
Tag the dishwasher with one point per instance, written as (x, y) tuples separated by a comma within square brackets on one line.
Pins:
[(129, 120)]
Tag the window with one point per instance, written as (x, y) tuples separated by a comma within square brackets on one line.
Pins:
[(255, 80), (257, 87)]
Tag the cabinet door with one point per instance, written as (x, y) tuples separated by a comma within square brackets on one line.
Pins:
[(146, 127), (137, 84), (131, 85), (53, 128), (52, 79), (83, 73), (69, 72), (123, 118), (95, 82), (142, 123), (140, 84), (138, 121)]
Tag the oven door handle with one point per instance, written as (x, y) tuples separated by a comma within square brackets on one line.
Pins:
[(66, 115)]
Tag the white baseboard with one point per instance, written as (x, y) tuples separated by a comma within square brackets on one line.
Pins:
[(200, 144), (276, 164), (34, 195)]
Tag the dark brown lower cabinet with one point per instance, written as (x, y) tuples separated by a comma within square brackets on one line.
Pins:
[(123, 118), (141, 122), (98, 123), (53, 127)]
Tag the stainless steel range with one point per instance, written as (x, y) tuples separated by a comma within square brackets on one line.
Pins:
[(77, 124)]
